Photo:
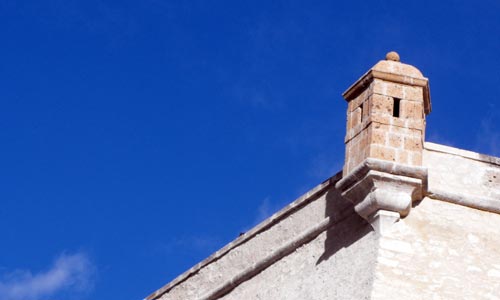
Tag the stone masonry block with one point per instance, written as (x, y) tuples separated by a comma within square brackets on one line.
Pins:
[(395, 140), (397, 122), (380, 86), (413, 143), (356, 102), (415, 158), (388, 120), (348, 122), (363, 141), (378, 136), (349, 107), (412, 109), (413, 93), (380, 104), (383, 119), (402, 156), (381, 126), (355, 117), (382, 152), (366, 110), (410, 132), (397, 90), (357, 149), (353, 132), (418, 124), (388, 88)]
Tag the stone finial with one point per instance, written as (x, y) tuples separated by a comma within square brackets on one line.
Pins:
[(394, 56)]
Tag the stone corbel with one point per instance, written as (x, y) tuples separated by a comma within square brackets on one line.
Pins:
[(382, 192)]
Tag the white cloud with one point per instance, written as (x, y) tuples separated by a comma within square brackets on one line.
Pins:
[(488, 136), (264, 210), (325, 165), (72, 273)]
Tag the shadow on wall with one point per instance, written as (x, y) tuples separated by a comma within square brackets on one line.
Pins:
[(347, 226)]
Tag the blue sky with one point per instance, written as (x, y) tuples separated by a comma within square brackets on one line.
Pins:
[(140, 136)]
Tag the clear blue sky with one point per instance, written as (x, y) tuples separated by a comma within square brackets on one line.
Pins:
[(137, 137)]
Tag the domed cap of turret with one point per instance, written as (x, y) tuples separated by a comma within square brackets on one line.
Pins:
[(393, 65), (393, 70)]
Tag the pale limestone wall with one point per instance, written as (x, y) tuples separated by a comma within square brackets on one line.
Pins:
[(448, 247), (463, 177), (314, 247), (345, 273), (440, 251), (319, 248)]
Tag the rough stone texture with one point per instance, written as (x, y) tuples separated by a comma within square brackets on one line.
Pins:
[(434, 210), (386, 122), (249, 253), (336, 265), (332, 230), (440, 251), (392, 56), (444, 248), (463, 177), (395, 67), (386, 116), (379, 185)]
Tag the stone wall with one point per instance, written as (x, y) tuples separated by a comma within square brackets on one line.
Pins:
[(318, 247), (404, 220), (341, 270), (463, 177), (440, 251), (292, 255)]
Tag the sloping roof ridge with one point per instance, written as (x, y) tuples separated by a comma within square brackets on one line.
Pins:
[(263, 226)]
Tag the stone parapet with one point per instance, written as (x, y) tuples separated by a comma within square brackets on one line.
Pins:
[(278, 236), (463, 177)]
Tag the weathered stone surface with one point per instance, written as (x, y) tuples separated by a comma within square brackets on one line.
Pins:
[(404, 220), (386, 115), (443, 249), (412, 109), (330, 267), (381, 104), (463, 177), (277, 237), (394, 56), (377, 185), (440, 251), (398, 68)]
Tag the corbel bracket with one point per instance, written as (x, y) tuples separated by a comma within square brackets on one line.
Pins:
[(383, 192)]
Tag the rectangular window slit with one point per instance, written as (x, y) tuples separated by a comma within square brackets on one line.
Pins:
[(396, 108)]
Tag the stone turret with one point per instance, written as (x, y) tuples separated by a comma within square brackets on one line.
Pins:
[(383, 171)]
